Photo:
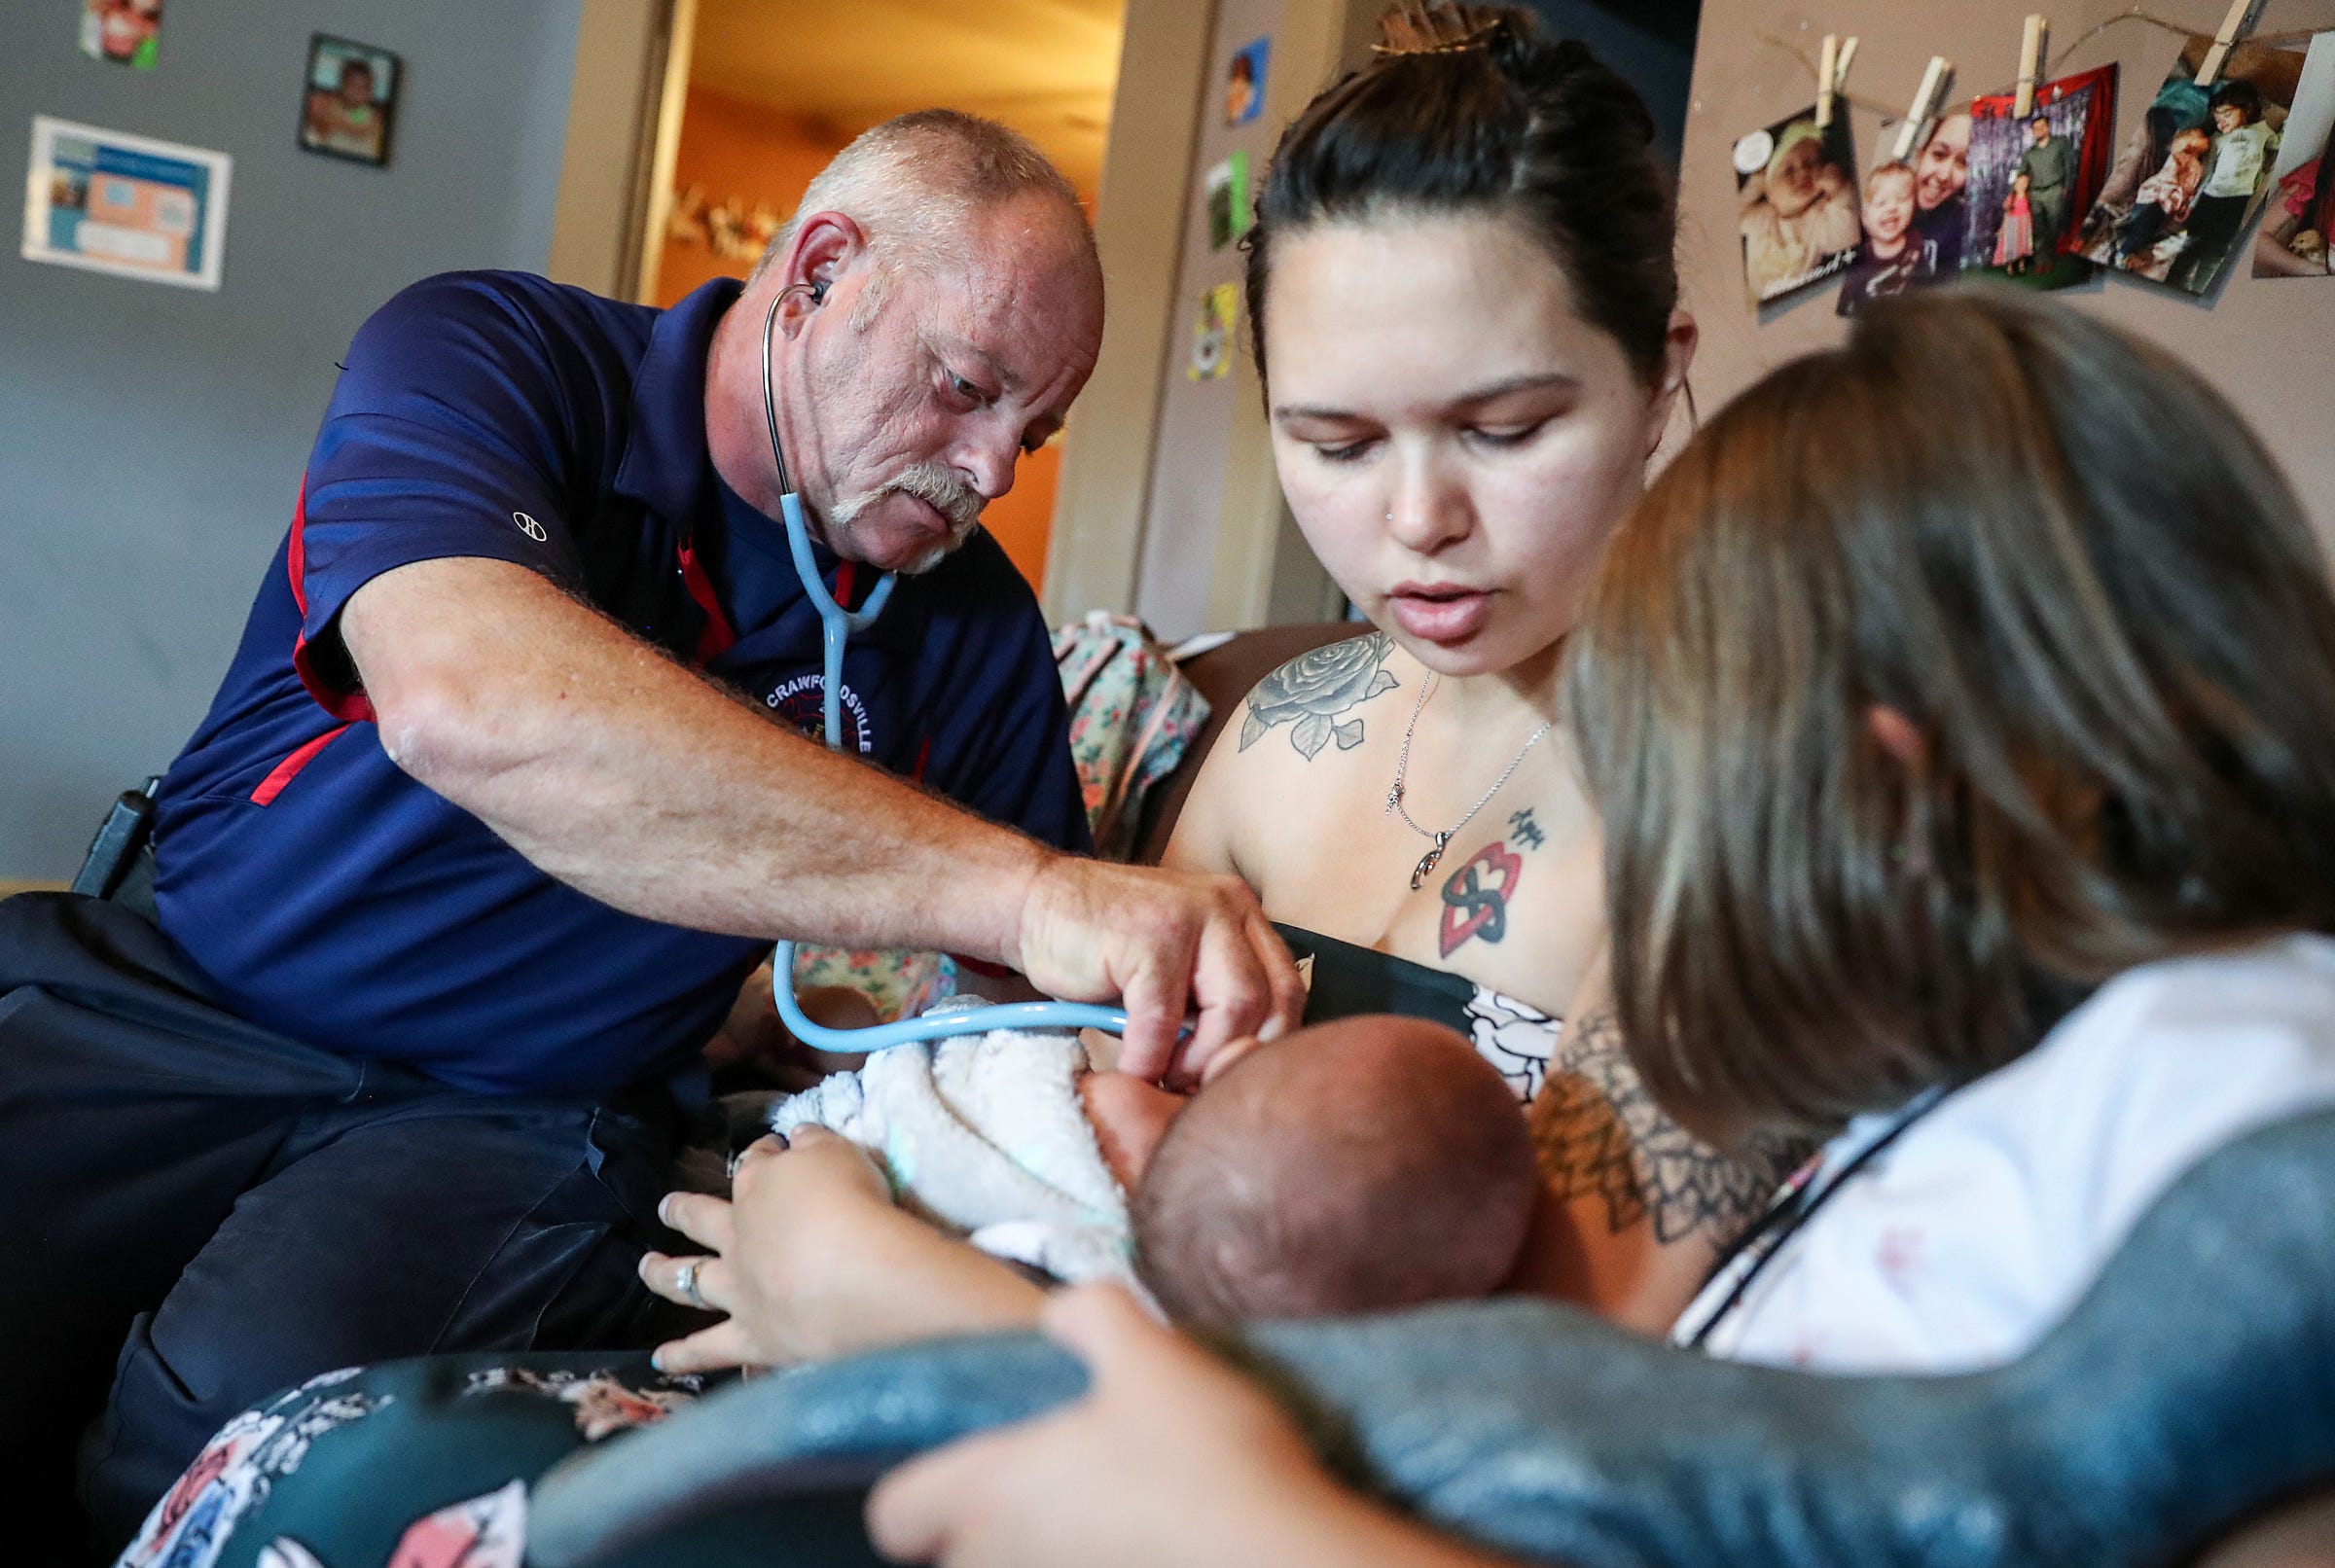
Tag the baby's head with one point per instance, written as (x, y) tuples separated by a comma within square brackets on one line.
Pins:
[(1888, 205), (2192, 144), (1362, 1165)]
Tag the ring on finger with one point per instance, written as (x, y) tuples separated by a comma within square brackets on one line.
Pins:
[(686, 1282)]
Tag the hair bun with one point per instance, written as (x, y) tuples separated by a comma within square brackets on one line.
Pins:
[(1438, 27)]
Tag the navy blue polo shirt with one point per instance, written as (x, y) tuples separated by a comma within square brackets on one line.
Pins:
[(495, 414)]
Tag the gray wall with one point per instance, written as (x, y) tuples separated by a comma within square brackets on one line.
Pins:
[(152, 437)]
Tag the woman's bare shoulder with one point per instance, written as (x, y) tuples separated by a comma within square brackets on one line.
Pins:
[(1293, 737), (1316, 696)]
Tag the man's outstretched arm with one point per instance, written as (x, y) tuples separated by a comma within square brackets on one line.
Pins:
[(637, 781)]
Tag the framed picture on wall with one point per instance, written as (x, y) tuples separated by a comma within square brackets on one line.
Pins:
[(128, 32), (349, 102), (108, 201)]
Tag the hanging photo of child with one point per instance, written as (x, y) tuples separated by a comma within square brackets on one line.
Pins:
[(2190, 179), (128, 32), (2032, 176), (349, 101), (1797, 200), (2292, 241), (1894, 256)]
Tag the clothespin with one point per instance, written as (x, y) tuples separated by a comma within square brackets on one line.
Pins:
[(2232, 29), (2030, 64), (1832, 74), (1926, 103)]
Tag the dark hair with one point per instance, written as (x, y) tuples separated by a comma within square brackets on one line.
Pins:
[(2158, 126), (1499, 121), (2243, 96), (1408, 1177), (2117, 651)]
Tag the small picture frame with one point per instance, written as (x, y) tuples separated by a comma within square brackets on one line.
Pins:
[(348, 100)]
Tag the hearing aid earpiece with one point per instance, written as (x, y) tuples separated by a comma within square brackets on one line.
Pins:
[(819, 291)]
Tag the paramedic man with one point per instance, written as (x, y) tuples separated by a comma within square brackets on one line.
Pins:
[(490, 818)]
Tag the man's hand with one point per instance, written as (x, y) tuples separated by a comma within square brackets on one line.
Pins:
[(1160, 941)]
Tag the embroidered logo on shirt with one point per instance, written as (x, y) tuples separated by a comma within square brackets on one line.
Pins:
[(802, 703), (530, 527)]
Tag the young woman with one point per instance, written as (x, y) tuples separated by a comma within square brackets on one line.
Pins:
[(1464, 308), (1983, 749)]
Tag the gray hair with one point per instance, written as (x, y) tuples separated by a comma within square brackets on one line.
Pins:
[(913, 183)]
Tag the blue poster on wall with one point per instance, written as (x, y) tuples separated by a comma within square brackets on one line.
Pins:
[(108, 201)]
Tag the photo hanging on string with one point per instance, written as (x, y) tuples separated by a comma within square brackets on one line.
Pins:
[(2177, 205), (2034, 176), (2300, 210), (1796, 200)]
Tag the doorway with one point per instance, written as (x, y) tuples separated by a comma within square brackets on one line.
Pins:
[(774, 89)]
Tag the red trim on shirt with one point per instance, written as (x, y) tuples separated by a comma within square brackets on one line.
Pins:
[(350, 707), (717, 637), (923, 756), (845, 578), (289, 768), (300, 548)]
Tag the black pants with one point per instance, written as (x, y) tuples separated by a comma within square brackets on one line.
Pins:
[(206, 1211), (2213, 223)]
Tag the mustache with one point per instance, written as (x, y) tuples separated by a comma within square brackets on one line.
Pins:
[(948, 496)]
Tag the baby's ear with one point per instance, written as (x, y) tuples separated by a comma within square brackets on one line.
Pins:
[(1231, 1052)]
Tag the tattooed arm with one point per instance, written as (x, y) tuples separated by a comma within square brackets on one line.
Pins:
[(1640, 1208)]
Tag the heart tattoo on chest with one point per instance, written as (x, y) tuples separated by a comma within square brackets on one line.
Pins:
[(1475, 897)]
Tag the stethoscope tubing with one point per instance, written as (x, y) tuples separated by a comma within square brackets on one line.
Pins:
[(836, 627)]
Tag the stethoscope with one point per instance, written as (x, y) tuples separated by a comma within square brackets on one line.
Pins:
[(836, 627)]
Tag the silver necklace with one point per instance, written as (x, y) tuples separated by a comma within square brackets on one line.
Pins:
[(1402, 765)]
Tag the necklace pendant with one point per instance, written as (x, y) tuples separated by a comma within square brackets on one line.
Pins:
[(1427, 861), (1394, 798)]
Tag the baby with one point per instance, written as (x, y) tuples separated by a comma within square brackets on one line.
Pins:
[(1892, 257), (1360, 1165)]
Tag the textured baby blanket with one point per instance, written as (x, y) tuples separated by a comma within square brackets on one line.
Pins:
[(986, 1134)]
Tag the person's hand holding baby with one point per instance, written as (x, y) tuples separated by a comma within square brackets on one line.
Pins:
[(811, 1259)]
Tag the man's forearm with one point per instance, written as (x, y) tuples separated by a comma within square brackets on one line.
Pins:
[(635, 780)]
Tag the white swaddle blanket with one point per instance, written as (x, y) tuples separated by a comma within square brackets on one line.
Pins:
[(986, 1135)]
